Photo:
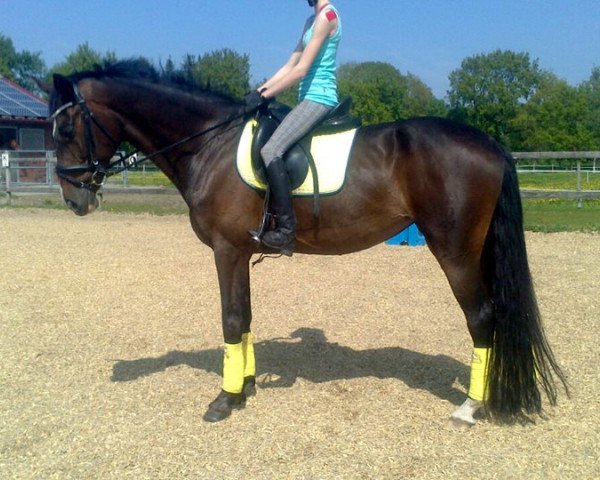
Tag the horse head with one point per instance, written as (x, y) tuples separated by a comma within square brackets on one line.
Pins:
[(85, 141)]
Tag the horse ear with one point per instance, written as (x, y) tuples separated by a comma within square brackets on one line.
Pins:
[(63, 87), (43, 86)]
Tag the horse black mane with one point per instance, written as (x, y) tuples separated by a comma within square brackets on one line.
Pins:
[(142, 70), (135, 69)]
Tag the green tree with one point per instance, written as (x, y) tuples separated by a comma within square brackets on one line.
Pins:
[(20, 67), (169, 69), (591, 91), (28, 67), (554, 118), (382, 94), (7, 56), (83, 58), (421, 101), (223, 71), (378, 90), (188, 68), (488, 90)]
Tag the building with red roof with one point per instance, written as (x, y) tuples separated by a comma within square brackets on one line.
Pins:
[(24, 123), (25, 135)]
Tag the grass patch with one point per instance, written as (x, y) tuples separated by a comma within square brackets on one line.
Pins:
[(540, 215), (528, 180), (559, 181), (555, 215), (164, 204), (141, 179)]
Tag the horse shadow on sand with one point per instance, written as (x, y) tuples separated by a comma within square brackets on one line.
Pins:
[(309, 355)]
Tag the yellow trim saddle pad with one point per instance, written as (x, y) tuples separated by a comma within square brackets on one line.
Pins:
[(330, 152)]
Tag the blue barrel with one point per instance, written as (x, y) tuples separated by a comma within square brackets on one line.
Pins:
[(410, 236)]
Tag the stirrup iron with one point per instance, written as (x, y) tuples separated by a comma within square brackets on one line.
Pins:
[(267, 218)]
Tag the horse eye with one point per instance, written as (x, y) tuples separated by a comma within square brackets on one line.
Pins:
[(66, 131)]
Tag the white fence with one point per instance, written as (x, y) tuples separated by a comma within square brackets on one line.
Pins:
[(33, 171)]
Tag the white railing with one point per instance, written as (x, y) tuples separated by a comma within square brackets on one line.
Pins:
[(33, 171)]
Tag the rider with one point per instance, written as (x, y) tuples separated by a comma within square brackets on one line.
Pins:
[(313, 62)]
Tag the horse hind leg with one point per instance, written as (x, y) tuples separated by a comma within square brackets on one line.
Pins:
[(466, 280)]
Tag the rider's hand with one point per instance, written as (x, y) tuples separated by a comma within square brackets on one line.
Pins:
[(254, 100)]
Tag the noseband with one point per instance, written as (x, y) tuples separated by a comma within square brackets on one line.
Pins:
[(94, 166)]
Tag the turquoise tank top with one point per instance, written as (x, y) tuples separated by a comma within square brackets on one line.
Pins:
[(320, 85)]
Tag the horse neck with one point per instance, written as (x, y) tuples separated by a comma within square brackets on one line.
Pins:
[(155, 115)]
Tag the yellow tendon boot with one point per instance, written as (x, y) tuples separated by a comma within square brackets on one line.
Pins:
[(249, 364), (479, 370), (233, 368), (248, 350)]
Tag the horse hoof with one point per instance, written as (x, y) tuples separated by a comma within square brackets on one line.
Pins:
[(221, 407), (249, 389), (463, 416), (461, 423)]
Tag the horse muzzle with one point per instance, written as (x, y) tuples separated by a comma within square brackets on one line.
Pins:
[(83, 203)]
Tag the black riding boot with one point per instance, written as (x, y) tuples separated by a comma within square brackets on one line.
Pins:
[(284, 236)]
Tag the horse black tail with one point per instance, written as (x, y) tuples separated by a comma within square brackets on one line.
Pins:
[(521, 358)]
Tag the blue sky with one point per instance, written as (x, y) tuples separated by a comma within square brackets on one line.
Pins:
[(428, 38)]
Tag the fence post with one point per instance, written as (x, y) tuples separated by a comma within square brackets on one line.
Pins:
[(6, 167), (579, 202), (49, 171)]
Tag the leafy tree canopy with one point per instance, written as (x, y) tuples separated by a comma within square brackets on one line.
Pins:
[(20, 67), (591, 92), (554, 118), (224, 71), (83, 58), (488, 90), (382, 94)]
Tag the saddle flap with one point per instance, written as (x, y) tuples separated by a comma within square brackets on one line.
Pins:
[(263, 130), (298, 158), (295, 158), (330, 153)]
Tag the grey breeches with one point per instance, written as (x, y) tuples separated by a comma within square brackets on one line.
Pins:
[(293, 127)]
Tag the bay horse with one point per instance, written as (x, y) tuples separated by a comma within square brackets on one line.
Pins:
[(455, 182)]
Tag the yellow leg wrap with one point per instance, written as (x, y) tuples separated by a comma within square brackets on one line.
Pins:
[(248, 350), (233, 368), (479, 369)]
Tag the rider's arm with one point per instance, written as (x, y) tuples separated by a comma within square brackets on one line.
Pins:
[(283, 71), (300, 61), (291, 63)]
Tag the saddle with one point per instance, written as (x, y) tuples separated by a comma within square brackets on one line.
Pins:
[(298, 158)]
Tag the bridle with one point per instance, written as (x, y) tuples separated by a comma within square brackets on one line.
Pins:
[(100, 172), (94, 165)]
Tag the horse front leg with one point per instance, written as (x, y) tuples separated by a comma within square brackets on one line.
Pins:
[(238, 361)]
